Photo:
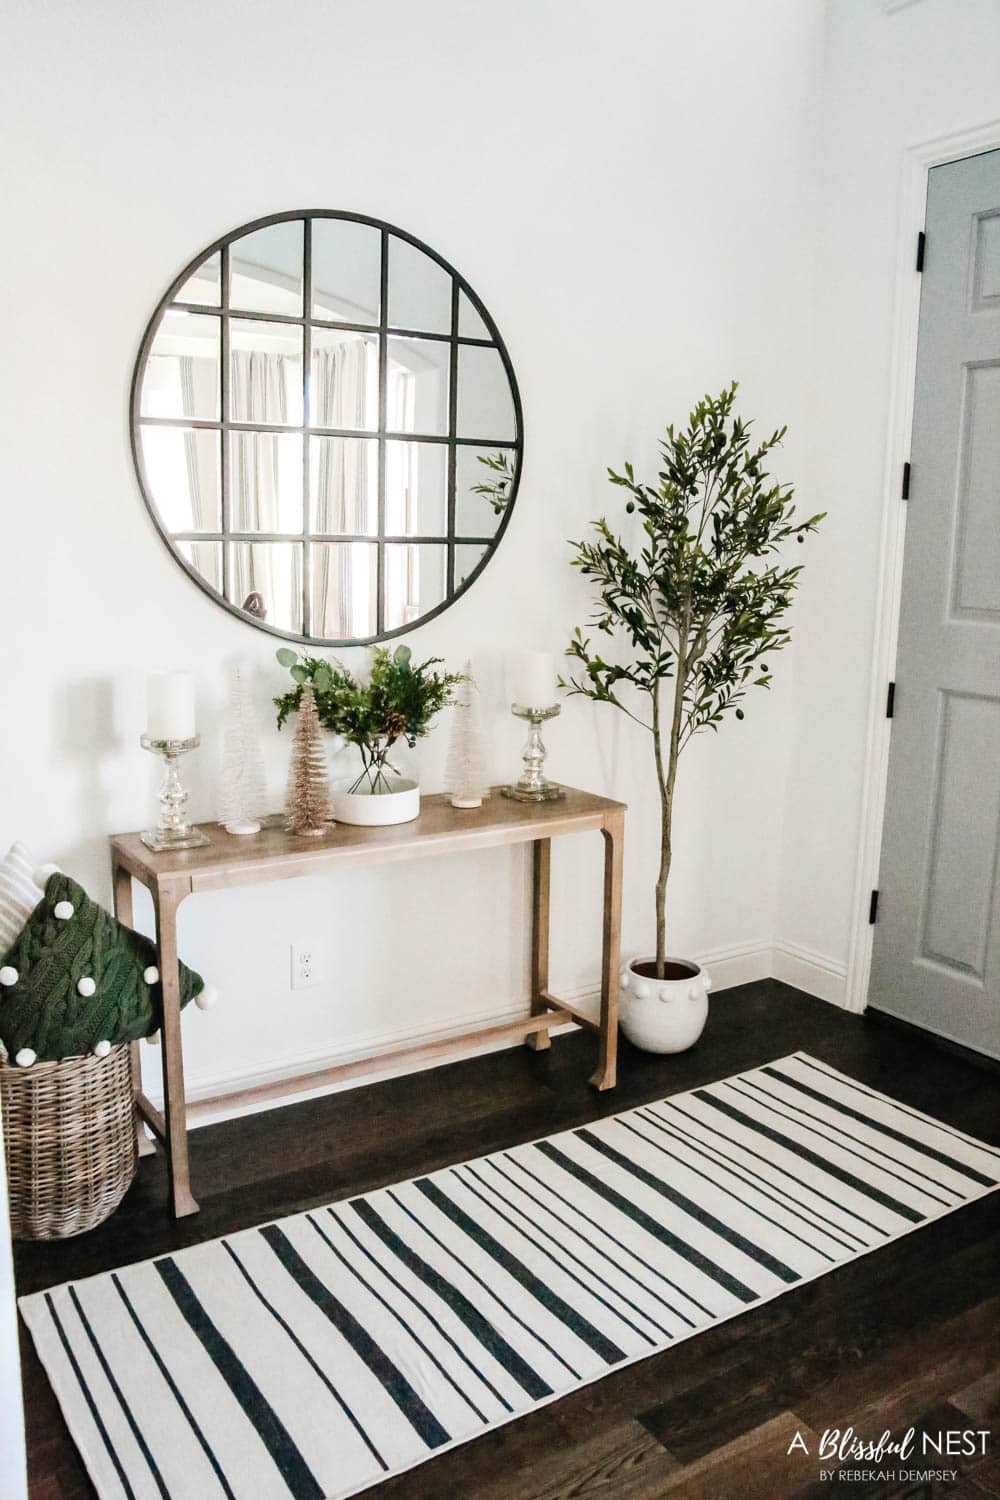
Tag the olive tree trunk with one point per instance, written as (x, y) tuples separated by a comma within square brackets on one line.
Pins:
[(666, 775)]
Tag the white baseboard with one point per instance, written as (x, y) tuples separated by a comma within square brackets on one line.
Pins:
[(740, 963), (813, 972)]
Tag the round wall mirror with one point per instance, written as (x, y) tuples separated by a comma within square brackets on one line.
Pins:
[(326, 427)]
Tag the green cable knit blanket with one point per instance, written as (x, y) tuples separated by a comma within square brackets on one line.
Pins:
[(79, 977)]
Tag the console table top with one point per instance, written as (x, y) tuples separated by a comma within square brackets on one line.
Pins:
[(228, 860)]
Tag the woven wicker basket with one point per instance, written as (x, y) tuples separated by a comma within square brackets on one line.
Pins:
[(69, 1138)]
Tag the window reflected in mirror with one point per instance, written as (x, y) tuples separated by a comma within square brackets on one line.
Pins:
[(417, 394), (416, 489), (416, 581)]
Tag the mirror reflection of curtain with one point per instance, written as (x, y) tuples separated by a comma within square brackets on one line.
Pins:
[(343, 378), (259, 394), (198, 380)]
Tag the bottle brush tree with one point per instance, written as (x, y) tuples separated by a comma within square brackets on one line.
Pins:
[(699, 604), (465, 773), (307, 800), (243, 794)]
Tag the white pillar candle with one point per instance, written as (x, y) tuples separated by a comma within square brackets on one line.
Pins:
[(170, 706), (533, 679)]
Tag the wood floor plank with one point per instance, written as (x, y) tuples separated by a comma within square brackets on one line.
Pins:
[(623, 1463), (916, 1372), (761, 1463), (981, 1399)]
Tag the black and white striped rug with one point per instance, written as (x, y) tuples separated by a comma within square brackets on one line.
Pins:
[(315, 1356)]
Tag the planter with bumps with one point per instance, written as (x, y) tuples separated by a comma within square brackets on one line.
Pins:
[(668, 1014)]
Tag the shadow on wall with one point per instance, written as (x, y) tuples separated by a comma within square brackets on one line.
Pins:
[(87, 740), (96, 723)]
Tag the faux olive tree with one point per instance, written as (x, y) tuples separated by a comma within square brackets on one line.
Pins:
[(700, 603)]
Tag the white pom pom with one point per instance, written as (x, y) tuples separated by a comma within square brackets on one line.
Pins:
[(207, 998), (41, 875), (63, 910), (153, 1038), (86, 986), (25, 1057), (151, 975), (102, 1049), (8, 975)]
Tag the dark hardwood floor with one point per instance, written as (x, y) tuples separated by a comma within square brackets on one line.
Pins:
[(905, 1337)]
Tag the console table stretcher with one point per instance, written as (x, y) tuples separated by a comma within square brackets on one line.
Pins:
[(272, 855)]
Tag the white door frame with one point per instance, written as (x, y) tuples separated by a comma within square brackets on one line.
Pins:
[(917, 162)]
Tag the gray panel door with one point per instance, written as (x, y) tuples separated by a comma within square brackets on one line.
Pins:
[(936, 957)]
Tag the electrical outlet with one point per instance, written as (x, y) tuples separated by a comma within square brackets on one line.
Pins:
[(306, 966)]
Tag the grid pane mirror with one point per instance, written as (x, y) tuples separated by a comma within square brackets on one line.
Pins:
[(326, 427)]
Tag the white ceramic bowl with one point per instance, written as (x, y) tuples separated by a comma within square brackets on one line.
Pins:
[(376, 809)]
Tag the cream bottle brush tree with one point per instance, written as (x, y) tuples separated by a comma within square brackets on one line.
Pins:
[(466, 777), (698, 605), (242, 795)]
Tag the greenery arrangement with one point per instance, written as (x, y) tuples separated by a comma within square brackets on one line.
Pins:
[(699, 604), (398, 701)]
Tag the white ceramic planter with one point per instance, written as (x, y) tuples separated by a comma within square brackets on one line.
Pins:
[(664, 1015), (376, 809)]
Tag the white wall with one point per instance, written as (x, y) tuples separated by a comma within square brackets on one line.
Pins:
[(892, 81), (632, 189)]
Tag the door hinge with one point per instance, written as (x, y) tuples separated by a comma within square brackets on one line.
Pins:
[(921, 247), (873, 907), (905, 491), (890, 701)]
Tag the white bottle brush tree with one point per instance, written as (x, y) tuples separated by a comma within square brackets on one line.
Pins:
[(466, 776), (307, 804), (699, 605), (242, 795)]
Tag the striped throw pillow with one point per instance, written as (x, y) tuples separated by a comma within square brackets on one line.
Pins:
[(19, 895)]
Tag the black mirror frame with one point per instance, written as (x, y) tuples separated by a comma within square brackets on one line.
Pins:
[(385, 330)]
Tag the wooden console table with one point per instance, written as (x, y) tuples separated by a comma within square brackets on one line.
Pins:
[(227, 861)]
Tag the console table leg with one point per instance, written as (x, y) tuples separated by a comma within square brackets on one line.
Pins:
[(121, 888), (540, 1041), (174, 1109), (606, 1073)]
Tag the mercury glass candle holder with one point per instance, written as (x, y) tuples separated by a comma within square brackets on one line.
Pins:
[(173, 831), (533, 785)]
